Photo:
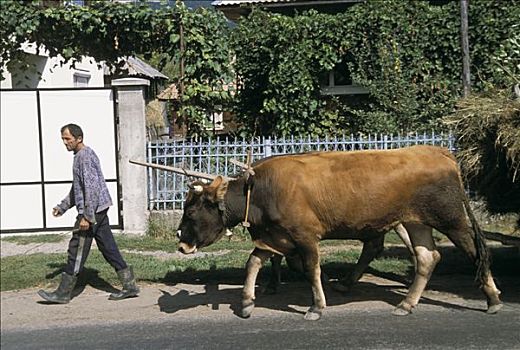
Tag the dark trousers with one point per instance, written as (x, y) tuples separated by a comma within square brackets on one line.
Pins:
[(79, 245)]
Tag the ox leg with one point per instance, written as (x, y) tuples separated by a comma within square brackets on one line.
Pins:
[(294, 262), (463, 238), (312, 269), (403, 234), (254, 264), (276, 272), (427, 258), (371, 249)]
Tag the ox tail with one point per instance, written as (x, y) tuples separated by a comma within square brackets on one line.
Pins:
[(483, 261)]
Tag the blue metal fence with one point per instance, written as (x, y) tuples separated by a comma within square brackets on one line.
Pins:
[(167, 190)]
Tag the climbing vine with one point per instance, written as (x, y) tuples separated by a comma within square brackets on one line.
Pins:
[(408, 58), (108, 31)]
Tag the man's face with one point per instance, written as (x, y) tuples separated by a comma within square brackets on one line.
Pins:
[(70, 141)]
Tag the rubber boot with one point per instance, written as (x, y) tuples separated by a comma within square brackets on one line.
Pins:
[(63, 294), (130, 288)]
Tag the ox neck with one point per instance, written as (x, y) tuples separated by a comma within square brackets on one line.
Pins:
[(235, 202)]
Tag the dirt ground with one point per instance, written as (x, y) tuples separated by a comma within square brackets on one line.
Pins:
[(452, 287)]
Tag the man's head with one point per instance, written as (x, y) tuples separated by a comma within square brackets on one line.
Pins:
[(72, 137)]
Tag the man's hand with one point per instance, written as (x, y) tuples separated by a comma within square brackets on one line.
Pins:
[(84, 225), (56, 212)]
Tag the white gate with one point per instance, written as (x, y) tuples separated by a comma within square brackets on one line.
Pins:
[(36, 169)]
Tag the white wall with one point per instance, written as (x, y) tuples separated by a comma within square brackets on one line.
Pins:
[(36, 169), (50, 73)]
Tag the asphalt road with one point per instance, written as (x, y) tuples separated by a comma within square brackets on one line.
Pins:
[(202, 314), (429, 329)]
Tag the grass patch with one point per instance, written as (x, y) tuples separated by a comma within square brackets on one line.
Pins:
[(343, 260), (146, 243), (393, 238), (160, 227), (43, 270), (234, 242), (226, 265), (341, 256), (395, 266), (24, 271), (24, 240)]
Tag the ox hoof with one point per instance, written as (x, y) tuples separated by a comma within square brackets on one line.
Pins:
[(312, 315), (403, 309), (340, 287), (493, 309), (247, 310)]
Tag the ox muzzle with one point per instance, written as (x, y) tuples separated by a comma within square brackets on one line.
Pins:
[(184, 247)]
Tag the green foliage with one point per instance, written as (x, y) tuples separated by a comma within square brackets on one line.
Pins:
[(18, 24), (494, 36), (407, 57), (278, 60), (108, 31), (207, 69)]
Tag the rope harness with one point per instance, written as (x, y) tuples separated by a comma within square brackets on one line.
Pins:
[(249, 172)]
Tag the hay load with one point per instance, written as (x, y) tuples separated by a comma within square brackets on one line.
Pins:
[(488, 130)]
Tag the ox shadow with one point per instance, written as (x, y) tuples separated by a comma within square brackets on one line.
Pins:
[(210, 281), (88, 276), (454, 274)]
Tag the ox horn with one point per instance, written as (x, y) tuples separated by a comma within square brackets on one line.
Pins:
[(244, 166), (196, 188), (180, 171)]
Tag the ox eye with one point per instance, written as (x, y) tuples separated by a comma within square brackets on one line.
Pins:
[(210, 205), (189, 213)]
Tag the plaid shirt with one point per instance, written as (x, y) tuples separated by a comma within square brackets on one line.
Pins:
[(89, 192)]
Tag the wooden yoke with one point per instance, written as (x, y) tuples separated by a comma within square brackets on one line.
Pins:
[(248, 173), (181, 171)]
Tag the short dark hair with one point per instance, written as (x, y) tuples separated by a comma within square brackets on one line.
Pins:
[(74, 130)]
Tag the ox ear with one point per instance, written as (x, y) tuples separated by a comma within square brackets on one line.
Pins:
[(218, 188)]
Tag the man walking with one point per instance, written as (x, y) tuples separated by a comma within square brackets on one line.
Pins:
[(89, 194)]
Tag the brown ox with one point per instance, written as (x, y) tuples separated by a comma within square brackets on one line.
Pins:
[(298, 200)]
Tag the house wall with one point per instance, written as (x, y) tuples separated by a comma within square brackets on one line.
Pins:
[(49, 73), (43, 178)]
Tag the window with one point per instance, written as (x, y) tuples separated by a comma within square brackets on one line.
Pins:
[(81, 79), (75, 2), (339, 82), (216, 119)]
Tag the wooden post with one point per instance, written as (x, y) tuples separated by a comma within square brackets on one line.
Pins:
[(466, 79), (183, 124)]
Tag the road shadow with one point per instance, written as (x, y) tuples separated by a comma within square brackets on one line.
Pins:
[(88, 276), (454, 275)]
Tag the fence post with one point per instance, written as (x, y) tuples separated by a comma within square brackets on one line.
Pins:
[(267, 147), (132, 141)]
